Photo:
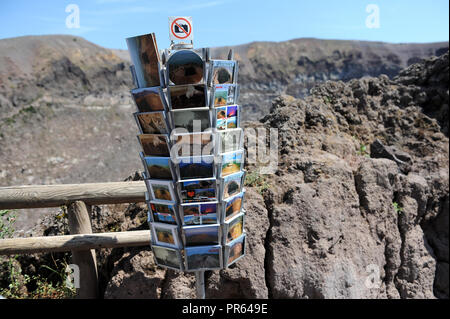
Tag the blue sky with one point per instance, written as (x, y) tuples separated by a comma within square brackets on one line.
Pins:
[(231, 22)]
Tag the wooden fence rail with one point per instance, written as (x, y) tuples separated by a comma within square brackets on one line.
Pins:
[(42, 196), (47, 244), (78, 198)]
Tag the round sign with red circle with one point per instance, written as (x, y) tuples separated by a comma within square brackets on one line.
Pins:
[(181, 28)]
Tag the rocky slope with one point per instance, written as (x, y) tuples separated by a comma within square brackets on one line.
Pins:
[(360, 193)]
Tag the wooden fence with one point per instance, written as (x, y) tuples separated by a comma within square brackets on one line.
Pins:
[(82, 242)]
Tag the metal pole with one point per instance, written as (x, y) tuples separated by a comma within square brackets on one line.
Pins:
[(200, 284)]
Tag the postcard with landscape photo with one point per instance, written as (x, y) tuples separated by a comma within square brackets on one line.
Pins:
[(203, 257), (163, 213), (167, 257), (145, 57), (235, 249), (201, 235), (187, 96), (148, 99), (223, 71), (185, 67), (220, 95), (196, 167), (199, 213), (233, 206), (157, 167), (230, 140), (161, 190), (192, 120), (231, 163), (165, 235), (232, 184), (198, 190), (152, 122), (234, 227), (193, 144), (154, 144)]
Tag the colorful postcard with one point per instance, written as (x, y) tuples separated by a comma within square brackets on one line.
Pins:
[(223, 71), (232, 184), (203, 190), (224, 94), (203, 257), (231, 163), (234, 227), (152, 122), (148, 99), (196, 167), (154, 144), (162, 212), (145, 58), (233, 206), (157, 167), (187, 96), (160, 190), (165, 235), (235, 250), (167, 257), (199, 213)]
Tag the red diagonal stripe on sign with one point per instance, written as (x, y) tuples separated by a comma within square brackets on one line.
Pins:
[(180, 27)]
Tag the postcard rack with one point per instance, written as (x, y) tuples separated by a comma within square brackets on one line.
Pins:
[(188, 119)]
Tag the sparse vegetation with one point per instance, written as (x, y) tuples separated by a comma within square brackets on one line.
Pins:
[(254, 179), (398, 209), (21, 285)]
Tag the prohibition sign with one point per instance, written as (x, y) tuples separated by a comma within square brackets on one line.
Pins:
[(176, 22)]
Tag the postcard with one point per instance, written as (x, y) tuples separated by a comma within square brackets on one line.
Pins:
[(234, 227), (165, 235), (224, 94), (203, 190), (167, 257), (185, 67), (145, 58), (160, 190), (201, 235), (192, 120), (235, 250), (192, 144), (148, 99), (223, 71), (154, 144), (152, 122), (203, 257), (233, 206), (230, 140), (199, 213), (231, 163), (187, 96), (196, 167), (157, 167), (232, 184), (162, 212)]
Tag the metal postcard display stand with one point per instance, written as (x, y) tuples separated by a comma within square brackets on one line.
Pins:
[(192, 151)]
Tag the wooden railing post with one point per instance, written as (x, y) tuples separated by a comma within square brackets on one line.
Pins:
[(80, 223)]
